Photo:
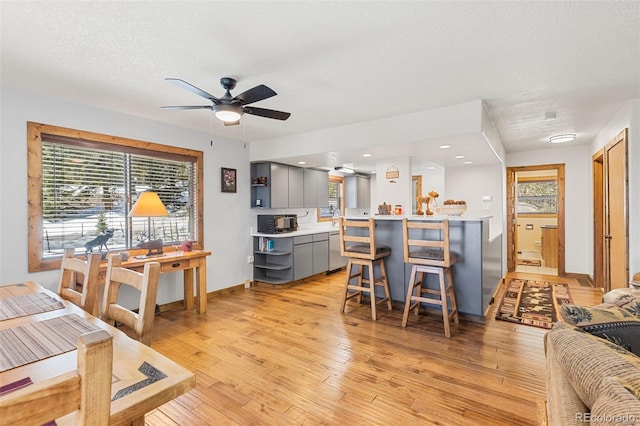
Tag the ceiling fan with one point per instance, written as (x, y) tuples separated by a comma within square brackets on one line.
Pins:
[(229, 109)]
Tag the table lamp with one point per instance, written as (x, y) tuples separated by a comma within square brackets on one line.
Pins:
[(149, 205)]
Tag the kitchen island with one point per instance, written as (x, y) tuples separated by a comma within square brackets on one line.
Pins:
[(476, 275)]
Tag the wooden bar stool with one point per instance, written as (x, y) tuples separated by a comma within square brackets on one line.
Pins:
[(429, 255), (362, 252)]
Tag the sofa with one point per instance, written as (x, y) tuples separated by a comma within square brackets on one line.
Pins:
[(593, 363)]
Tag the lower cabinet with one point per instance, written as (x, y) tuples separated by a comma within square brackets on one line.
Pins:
[(285, 259), (310, 255)]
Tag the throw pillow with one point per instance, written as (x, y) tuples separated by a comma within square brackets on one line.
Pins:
[(618, 403), (615, 324)]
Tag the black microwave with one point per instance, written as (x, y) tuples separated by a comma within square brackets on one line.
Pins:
[(277, 223)]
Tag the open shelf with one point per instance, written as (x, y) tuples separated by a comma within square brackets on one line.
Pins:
[(273, 252)]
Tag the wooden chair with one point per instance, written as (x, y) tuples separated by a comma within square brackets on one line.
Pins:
[(86, 390), (429, 255), (140, 323), (87, 297), (362, 252)]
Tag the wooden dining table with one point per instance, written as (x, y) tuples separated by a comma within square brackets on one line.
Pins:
[(36, 323)]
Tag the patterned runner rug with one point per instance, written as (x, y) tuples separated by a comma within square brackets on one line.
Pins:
[(532, 302)]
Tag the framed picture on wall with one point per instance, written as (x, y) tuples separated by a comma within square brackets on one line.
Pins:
[(228, 179)]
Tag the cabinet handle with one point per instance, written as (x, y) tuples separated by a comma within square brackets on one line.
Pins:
[(175, 265)]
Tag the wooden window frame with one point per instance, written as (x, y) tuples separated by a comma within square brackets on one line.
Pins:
[(338, 179), (34, 171)]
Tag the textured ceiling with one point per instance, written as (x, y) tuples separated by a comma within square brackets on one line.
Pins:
[(334, 63)]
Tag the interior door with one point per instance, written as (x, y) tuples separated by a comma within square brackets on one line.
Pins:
[(598, 219), (616, 222), (512, 235)]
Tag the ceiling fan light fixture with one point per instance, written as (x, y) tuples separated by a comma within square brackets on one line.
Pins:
[(228, 113), (567, 137)]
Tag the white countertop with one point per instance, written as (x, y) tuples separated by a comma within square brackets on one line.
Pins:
[(303, 230), (422, 217)]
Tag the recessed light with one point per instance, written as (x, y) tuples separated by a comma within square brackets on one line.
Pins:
[(445, 146), (302, 162), (367, 155), (431, 168), (459, 156), (468, 162), (567, 137)]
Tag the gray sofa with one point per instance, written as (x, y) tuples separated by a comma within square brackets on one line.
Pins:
[(593, 374)]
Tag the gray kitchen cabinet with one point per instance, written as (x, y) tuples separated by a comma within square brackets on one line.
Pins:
[(302, 257), (284, 187), (279, 185), (310, 255), (320, 249), (296, 187), (316, 188), (357, 192)]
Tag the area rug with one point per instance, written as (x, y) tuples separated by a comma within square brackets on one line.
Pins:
[(532, 302), (530, 262)]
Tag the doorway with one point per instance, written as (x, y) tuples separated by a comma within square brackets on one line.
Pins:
[(535, 218), (610, 214)]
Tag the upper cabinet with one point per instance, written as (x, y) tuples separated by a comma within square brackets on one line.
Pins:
[(275, 185), (316, 188), (357, 192)]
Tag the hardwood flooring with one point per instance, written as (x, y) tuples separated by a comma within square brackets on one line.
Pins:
[(288, 356)]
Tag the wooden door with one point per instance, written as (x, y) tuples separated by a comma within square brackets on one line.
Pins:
[(616, 242), (598, 219), (512, 235)]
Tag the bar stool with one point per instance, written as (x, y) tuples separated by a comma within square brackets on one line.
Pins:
[(429, 255), (362, 252)]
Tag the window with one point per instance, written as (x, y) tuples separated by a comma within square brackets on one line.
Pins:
[(336, 200), (82, 185), (537, 197)]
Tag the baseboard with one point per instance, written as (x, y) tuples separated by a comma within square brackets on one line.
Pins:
[(178, 304), (582, 278)]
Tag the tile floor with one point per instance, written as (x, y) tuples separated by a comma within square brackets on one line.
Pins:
[(534, 254)]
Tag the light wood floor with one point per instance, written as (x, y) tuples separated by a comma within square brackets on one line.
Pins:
[(288, 356)]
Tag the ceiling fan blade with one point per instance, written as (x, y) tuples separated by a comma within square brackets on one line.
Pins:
[(231, 123), (188, 107), (256, 94), (268, 113), (192, 88)]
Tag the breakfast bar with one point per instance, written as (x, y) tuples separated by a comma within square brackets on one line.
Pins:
[(476, 274)]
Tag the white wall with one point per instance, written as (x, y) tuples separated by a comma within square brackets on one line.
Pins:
[(628, 117), (472, 183), (399, 192), (226, 216), (578, 200)]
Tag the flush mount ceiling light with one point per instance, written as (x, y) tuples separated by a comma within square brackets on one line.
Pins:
[(567, 137), (228, 113), (344, 170)]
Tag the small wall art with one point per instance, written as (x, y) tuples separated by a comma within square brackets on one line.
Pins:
[(228, 179)]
